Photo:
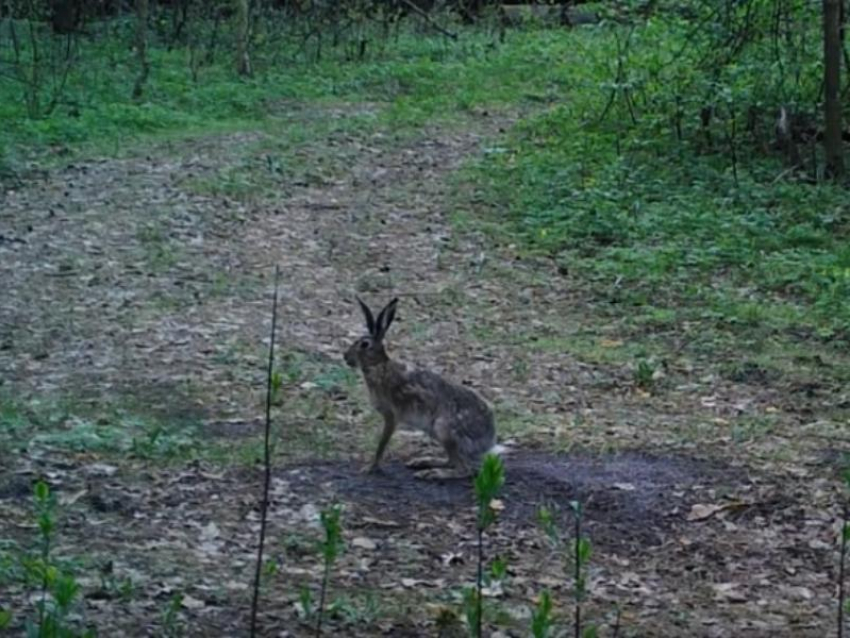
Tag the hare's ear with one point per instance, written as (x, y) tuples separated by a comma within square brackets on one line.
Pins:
[(367, 314), (386, 318)]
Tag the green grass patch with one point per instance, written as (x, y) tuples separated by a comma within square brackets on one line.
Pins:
[(658, 233), (59, 424), (307, 415), (418, 79)]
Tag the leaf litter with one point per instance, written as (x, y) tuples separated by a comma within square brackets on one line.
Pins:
[(126, 284)]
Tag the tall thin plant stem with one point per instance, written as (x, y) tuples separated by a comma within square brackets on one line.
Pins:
[(479, 582), (264, 505), (321, 615), (577, 575), (841, 567)]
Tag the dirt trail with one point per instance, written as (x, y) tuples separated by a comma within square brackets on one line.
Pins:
[(122, 279)]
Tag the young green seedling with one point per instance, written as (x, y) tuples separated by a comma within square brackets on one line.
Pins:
[(5, 618), (274, 382), (488, 483), (576, 556), (541, 617), (59, 590), (330, 547), (845, 538), (171, 625)]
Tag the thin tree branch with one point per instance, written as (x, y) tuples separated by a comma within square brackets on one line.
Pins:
[(429, 20), (842, 561), (264, 504)]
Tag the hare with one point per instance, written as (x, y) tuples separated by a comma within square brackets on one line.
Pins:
[(418, 399)]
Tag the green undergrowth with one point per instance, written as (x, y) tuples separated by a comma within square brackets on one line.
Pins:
[(414, 80), (662, 235), (308, 414), (63, 424)]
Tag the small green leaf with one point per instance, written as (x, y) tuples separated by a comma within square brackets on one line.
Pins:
[(331, 546), (51, 575), (499, 568), (590, 632), (5, 618), (541, 616), (580, 586), (305, 597), (845, 531), (470, 606), (546, 520), (584, 551), (277, 383), (488, 482), (65, 590), (42, 491), (45, 524), (544, 516)]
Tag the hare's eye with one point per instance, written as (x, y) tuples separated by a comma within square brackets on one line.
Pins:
[(364, 344)]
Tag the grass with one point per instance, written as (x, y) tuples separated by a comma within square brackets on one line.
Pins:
[(417, 81), (660, 235), (609, 202), (743, 254), (129, 426), (74, 427)]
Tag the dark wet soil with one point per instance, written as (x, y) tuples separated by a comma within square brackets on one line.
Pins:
[(628, 499)]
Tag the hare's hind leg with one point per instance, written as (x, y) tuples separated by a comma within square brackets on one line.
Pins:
[(456, 466)]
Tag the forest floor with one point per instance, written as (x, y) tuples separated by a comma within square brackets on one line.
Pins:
[(135, 312)]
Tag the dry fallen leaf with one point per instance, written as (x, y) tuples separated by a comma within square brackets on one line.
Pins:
[(100, 469), (452, 558), (192, 603), (797, 593), (610, 343), (494, 590), (377, 522), (364, 543), (412, 582), (702, 511), (70, 499), (209, 532), (418, 582), (728, 592)]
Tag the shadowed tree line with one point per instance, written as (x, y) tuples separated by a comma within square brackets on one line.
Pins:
[(750, 75)]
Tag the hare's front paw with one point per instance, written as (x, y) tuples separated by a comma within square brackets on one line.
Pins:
[(372, 468)]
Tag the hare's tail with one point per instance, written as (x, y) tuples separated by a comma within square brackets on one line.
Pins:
[(498, 450)]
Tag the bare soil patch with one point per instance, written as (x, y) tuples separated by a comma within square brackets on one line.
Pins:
[(631, 499)]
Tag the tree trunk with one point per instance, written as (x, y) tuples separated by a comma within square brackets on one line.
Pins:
[(142, 10), (65, 16), (832, 86), (243, 27)]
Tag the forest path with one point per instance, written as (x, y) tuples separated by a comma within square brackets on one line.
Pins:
[(141, 285)]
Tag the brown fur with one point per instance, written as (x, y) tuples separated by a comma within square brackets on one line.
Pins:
[(452, 414)]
